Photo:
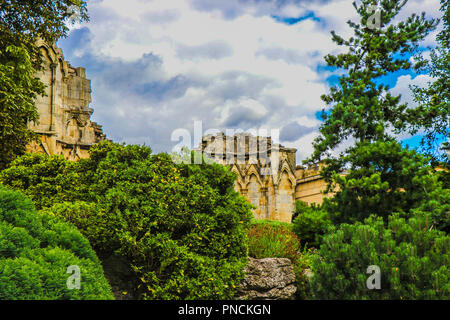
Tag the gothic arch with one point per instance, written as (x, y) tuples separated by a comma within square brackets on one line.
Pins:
[(254, 192), (237, 186), (252, 170), (239, 179), (286, 168), (286, 193), (51, 52)]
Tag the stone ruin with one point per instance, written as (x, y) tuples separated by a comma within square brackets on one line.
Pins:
[(64, 124), (265, 171)]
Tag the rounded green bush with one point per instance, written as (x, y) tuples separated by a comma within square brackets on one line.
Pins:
[(413, 258), (36, 251)]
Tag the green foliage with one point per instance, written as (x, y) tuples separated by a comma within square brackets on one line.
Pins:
[(300, 206), (413, 257), (36, 250), (432, 112), (273, 239), (444, 176), (40, 18), (310, 224), (437, 206), (18, 89), (361, 108), (383, 178), (273, 223), (405, 205), (22, 23), (45, 179), (182, 228)]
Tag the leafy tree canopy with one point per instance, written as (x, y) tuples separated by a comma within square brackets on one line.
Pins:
[(22, 23), (18, 90)]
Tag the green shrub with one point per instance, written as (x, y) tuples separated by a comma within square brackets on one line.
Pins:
[(36, 250), (273, 239), (438, 207), (181, 228), (413, 258), (310, 224), (44, 179)]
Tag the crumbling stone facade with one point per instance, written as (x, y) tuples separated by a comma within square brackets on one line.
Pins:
[(64, 124), (265, 171)]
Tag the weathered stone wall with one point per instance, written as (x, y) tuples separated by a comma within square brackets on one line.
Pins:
[(268, 279), (64, 124), (309, 185), (265, 172)]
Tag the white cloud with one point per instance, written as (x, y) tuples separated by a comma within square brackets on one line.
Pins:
[(403, 84), (159, 65)]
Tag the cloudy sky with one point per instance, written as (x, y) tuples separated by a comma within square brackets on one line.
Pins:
[(160, 65)]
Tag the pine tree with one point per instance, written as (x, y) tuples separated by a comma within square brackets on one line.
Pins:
[(433, 110), (413, 260), (382, 176), (361, 109)]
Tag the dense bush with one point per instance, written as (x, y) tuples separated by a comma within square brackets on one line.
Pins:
[(180, 227), (36, 250), (271, 239), (438, 207), (413, 257), (44, 179), (310, 224)]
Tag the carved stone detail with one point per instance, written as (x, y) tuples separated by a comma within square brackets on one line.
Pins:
[(265, 171)]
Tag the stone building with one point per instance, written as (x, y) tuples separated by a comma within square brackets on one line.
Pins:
[(310, 184), (266, 173), (64, 124)]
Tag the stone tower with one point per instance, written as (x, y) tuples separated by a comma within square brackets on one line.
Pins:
[(265, 171), (64, 124)]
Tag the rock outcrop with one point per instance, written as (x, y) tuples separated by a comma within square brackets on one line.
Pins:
[(268, 279)]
